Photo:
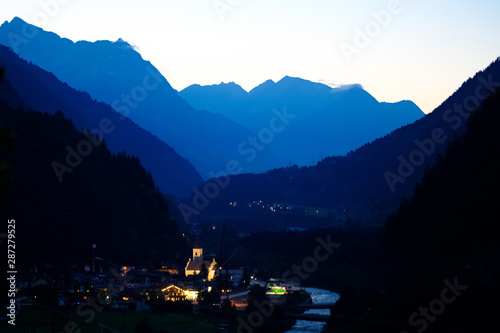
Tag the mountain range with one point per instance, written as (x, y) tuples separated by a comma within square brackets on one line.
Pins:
[(371, 179), (222, 128), (323, 121), (276, 124), (30, 87), (116, 74)]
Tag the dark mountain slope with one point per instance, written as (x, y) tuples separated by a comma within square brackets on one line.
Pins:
[(115, 73), (44, 92), (108, 200), (442, 242), (378, 174)]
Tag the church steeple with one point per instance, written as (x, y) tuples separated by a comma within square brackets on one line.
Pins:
[(197, 250), (194, 265)]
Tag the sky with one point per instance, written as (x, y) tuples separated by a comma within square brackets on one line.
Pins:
[(419, 50)]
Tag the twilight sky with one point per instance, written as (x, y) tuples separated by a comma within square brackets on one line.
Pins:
[(420, 50)]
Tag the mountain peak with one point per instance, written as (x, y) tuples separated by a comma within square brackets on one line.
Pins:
[(230, 85), (263, 86), (290, 84), (212, 95), (291, 79), (17, 21)]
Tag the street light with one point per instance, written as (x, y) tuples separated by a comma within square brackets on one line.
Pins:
[(93, 257)]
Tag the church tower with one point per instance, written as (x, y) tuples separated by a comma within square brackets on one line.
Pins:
[(197, 251), (194, 265)]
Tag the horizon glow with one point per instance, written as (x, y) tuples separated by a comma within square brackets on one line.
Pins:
[(423, 51)]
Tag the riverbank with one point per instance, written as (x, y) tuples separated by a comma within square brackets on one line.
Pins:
[(318, 296)]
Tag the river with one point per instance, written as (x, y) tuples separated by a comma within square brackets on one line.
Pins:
[(318, 296)]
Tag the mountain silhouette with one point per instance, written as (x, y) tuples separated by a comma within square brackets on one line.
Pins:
[(115, 73), (326, 121), (378, 174), (109, 199), (423, 243), (32, 87)]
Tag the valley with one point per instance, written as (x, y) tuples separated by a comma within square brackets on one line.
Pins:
[(295, 205)]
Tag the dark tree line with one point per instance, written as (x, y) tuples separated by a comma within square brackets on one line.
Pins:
[(107, 199), (448, 230)]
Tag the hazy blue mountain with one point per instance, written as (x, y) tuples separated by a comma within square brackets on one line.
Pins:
[(378, 174), (326, 121), (115, 73), (28, 86), (221, 97)]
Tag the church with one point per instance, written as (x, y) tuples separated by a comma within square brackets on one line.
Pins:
[(194, 265)]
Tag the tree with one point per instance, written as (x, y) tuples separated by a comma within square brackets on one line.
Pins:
[(6, 147), (209, 298)]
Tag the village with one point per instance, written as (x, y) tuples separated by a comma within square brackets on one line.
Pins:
[(201, 283)]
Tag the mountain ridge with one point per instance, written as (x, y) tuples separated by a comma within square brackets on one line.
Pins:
[(371, 178), (328, 121), (42, 91), (136, 89)]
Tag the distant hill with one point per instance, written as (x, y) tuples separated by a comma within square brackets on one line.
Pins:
[(115, 73), (323, 121), (42, 91), (372, 178)]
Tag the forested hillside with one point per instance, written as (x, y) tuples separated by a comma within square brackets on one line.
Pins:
[(106, 199)]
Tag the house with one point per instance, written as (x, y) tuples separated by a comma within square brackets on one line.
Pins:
[(195, 265), (176, 293), (169, 269), (255, 282), (282, 286), (233, 276), (125, 269), (129, 300)]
